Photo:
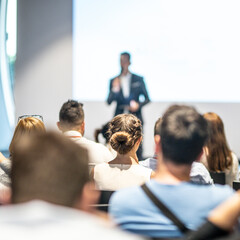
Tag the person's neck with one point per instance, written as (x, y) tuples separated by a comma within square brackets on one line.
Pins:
[(125, 73), (129, 159), (75, 130), (170, 173)]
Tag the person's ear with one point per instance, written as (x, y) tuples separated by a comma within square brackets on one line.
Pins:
[(139, 141), (59, 126), (82, 128), (89, 197), (158, 146)]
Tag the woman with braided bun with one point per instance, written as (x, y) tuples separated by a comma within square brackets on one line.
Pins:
[(125, 136)]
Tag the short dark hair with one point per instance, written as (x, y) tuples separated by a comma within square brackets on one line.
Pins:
[(157, 126), (183, 133), (71, 113), (49, 167), (127, 54)]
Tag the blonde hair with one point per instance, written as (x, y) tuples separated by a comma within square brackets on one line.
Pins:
[(124, 131), (26, 126)]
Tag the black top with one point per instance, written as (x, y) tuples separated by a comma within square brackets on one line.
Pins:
[(137, 89)]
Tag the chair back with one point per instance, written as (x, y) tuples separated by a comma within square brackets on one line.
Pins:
[(218, 177), (104, 200), (236, 185)]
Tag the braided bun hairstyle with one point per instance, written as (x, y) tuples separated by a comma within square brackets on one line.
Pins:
[(124, 131)]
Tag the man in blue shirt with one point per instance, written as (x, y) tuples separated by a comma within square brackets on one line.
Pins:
[(182, 135)]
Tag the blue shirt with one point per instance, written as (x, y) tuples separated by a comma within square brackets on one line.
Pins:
[(133, 211)]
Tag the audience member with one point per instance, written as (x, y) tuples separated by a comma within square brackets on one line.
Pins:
[(219, 157), (72, 124), (50, 181), (4, 172), (27, 124), (152, 162), (199, 174), (125, 134), (103, 131), (183, 134), (5, 192)]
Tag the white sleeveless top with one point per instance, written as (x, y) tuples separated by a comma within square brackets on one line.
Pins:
[(113, 177)]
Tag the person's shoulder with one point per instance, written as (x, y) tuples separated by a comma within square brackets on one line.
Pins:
[(91, 142), (144, 169), (111, 79), (145, 163), (101, 167), (217, 192), (130, 194), (222, 188), (234, 157), (198, 167), (6, 165), (70, 220), (129, 200), (124, 195), (149, 163), (137, 77), (125, 201), (96, 145)]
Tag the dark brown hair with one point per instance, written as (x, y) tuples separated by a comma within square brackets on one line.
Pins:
[(157, 126), (71, 114), (49, 167), (127, 54), (124, 131), (183, 134), (219, 156)]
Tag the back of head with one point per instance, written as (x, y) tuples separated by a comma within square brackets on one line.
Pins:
[(102, 131), (71, 115), (26, 126), (49, 167), (157, 126), (183, 133), (216, 126), (124, 131), (219, 155)]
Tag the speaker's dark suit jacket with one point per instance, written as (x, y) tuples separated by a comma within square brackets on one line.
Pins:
[(137, 89)]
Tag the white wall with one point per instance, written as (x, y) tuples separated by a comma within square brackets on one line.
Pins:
[(44, 57), (44, 74)]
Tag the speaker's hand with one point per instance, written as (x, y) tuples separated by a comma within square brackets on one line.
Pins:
[(134, 106), (116, 85)]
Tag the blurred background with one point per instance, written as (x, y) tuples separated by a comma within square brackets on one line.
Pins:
[(55, 50)]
